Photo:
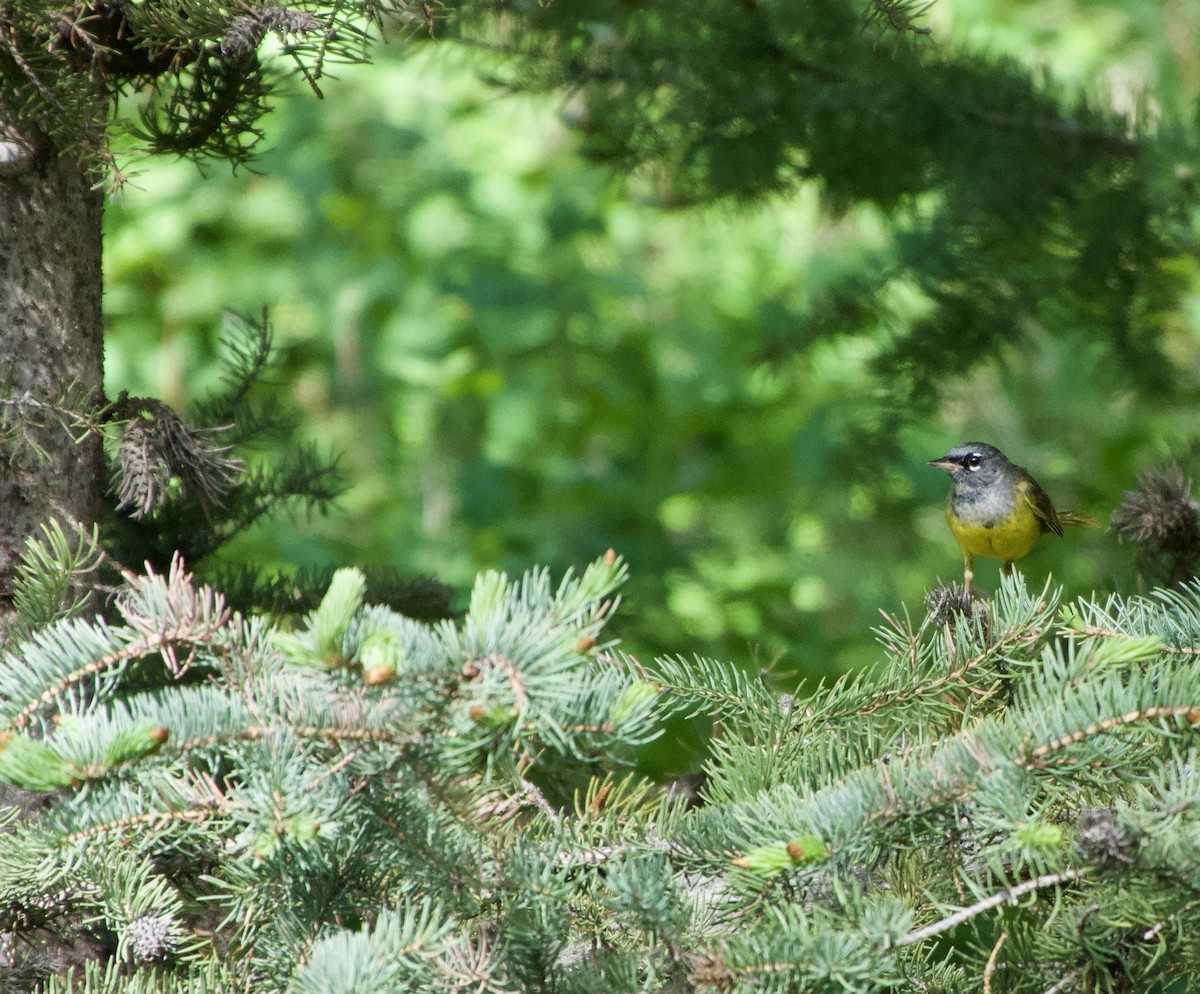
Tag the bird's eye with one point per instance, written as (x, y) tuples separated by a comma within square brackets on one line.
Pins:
[(974, 461)]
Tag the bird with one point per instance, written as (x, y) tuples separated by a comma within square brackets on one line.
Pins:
[(996, 508)]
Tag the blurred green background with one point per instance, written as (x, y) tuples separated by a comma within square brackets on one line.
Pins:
[(522, 358)]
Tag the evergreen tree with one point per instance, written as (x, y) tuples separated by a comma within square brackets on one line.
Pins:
[(195, 70), (369, 803), (1015, 205)]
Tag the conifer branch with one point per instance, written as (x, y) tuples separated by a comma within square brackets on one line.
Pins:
[(1099, 631), (165, 615), (1035, 758), (330, 735), (1163, 519), (990, 967), (113, 660), (156, 447), (341, 770), (1010, 895), (900, 15), (196, 814), (1065, 983)]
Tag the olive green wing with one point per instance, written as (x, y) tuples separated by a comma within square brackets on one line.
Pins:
[(1039, 501)]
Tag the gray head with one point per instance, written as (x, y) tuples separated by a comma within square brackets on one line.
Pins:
[(973, 464)]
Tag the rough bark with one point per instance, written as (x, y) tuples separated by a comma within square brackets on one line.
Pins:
[(51, 341)]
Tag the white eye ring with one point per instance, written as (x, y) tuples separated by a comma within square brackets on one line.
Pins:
[(974, 461)]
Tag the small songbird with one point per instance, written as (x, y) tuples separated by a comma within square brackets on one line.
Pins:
[(995, 507)]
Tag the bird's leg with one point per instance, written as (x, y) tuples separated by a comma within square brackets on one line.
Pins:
[(1006, 569), (968, 572)]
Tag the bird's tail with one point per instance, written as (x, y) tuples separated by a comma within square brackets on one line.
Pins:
[(1071, 518)]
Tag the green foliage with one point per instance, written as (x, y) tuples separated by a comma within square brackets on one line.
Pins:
[(202, 73), (320, 644), (499, 397), (1008, 804), (206, 798), (523, 366), (519, 360), (49, 587), (178, 490), (372, 802), (1015, 202)]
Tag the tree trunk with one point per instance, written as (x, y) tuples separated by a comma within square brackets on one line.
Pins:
[(51, 343)]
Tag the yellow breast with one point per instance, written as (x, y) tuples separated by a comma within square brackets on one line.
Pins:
[(1009, 538)]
